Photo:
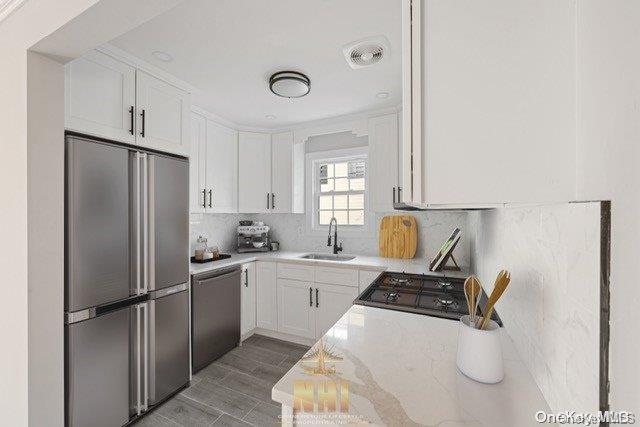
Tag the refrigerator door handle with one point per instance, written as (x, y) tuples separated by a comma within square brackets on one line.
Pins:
[(145, 404), (150, 242), (145, 223), (150, 354), (138, 221), (138, 361)]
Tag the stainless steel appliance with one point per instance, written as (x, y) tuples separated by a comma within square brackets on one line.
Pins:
[(422, 294), (253, 238), (126, 281), (215, 299)]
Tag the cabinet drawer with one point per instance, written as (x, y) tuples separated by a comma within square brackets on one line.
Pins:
[(336, 276), (295, 272)]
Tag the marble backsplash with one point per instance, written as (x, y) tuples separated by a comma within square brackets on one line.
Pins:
[(551, 308), (289, 229)]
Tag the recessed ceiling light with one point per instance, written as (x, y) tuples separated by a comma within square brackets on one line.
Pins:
[(382, 95), (289, 84), (270, 116), (162, 56)]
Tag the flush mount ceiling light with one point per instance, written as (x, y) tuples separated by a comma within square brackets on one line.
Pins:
[(289, 84), (162, 56)]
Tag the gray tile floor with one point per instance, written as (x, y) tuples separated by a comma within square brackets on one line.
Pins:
[(235, 390)]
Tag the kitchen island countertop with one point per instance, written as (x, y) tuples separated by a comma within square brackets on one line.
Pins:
[(401, 370)]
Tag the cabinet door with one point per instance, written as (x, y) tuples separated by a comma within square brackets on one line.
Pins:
[(222, 169), (296, 314), (197, 162), (383, 162), (254, 172), (100, 97), (282, 172), (163, 115), (332, 302), (248, 298), (266, 297)]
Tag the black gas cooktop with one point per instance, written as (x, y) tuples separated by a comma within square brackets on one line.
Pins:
[(421, 294)]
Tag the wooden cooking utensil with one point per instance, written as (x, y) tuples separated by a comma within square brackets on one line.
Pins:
[(502, 281), (472, 289)]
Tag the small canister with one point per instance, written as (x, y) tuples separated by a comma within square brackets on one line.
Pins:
[(275, 246)]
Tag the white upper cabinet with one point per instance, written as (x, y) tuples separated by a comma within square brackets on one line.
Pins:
[(214, 167), (221, 169), (489, 102), (254, 172), (282, 172), (163, 115), (100, 97), (109, 98), (384, 186), (197, 164)]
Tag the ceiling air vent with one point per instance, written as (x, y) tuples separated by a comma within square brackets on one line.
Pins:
[(366, 52)]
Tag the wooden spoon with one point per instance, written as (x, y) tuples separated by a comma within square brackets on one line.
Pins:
[(472, 289), (502, 281)]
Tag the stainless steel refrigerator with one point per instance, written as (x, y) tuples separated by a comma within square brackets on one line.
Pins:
[(126, 280)]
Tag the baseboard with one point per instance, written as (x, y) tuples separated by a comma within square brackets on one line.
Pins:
[(284, 337)]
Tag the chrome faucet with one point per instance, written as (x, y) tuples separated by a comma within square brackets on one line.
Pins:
[(336, 248)]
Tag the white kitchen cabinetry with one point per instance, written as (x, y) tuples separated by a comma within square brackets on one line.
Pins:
[(383, 176), (100, 97), (213, 166), (254, 172), (266, 295), (282, 172), (222, 168), (248, 299), (296, 314), (197, 164), (109, 98), (484, 121), (331, 302), (163, 115)]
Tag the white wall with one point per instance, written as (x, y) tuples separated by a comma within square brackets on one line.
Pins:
[(551, 308), (608, 155), (45, 165)]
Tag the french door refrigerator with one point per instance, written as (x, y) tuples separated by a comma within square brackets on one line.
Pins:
[(126, 280)]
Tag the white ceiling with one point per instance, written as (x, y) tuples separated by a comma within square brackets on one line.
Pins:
[(229, 48)]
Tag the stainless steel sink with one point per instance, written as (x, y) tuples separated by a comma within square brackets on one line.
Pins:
[(328, 257)]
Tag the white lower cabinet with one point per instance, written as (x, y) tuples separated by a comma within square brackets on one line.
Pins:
[(248, 299), (331, 302), (266, 295), (295, 308)]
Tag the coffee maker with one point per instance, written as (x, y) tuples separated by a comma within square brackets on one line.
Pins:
[(253, 237)]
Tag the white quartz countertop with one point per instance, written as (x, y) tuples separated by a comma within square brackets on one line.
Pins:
[(413, 266), (401, 370)]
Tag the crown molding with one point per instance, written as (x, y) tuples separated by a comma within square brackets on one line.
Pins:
[(9, 6)]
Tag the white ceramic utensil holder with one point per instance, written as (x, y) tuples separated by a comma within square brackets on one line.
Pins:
[(480, 352)]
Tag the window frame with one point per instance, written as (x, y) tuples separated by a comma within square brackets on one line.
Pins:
[(312, 190)]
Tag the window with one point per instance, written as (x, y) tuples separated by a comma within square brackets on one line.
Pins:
[(340, 191)]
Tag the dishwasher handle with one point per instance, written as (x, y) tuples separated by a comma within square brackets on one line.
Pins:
[(217, 275)]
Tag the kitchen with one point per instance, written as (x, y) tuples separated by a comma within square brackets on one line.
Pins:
[(319, 180)]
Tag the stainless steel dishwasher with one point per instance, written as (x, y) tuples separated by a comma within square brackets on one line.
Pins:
[(215, 315)]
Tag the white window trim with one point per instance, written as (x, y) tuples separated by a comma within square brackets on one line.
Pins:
[(312, 227)]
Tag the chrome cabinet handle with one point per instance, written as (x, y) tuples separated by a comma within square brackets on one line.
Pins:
[(317, 299), (399, 192), (267, 200), (143, 120), (204, 198), (210, 197), (394, 194), (273, 201), (310, 297), (246, 278), (132, 119)]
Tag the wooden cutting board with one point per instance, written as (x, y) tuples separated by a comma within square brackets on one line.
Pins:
[(398, 236)]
